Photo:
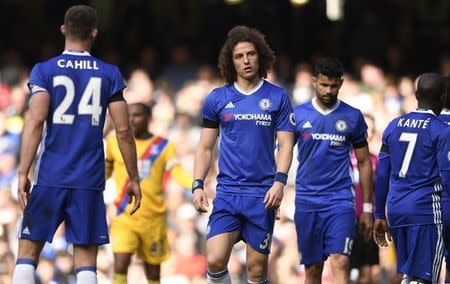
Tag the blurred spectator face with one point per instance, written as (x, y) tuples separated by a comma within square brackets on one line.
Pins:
[(445, 65), (206, 72), (372, 76), (139, 88), (45, 270), (18, 100)]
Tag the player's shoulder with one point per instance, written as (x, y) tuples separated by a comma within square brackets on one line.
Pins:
[(273, 88), (345, 107), (306, 106)]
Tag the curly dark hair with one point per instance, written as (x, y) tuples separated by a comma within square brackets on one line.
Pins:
[(240, 34), (79, 21), (330, 67)]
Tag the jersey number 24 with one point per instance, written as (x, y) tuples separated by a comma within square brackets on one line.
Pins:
[(89, 102)]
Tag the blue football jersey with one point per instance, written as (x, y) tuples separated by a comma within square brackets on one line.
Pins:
[(248, 126), (417, 145), (71, 151), (325, 140), (445, 116)]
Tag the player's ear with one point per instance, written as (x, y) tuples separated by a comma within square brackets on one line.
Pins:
[(63, 30), (313, 81), (94, 33)]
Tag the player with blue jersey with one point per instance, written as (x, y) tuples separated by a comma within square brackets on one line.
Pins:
[(413, 171), (327, 130), (445, 116), (70, 94), (249, 113)]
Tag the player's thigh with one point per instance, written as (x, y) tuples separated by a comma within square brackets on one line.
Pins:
[(43, 214), (218, 250), (124, 238), (310, 237), (223, 218), (153, 247), (86, 218), (339, 228), (258, 225), (419, 250)]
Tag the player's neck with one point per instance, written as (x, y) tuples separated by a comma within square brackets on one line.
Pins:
[(323, 106), (77, 46), (247, 85)]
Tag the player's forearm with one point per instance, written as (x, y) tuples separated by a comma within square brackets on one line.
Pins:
[(202, 162), (284, 155), (31, 137), (127, 147), (382, 186), (366, 180)]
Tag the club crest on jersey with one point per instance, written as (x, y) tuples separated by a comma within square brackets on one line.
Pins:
[(341, 125), (292, 119), (265, 104)]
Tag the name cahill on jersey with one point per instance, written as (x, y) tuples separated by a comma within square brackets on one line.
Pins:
[(77, 64)]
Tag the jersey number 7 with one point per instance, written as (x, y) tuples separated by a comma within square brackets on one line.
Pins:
[(411, 138)]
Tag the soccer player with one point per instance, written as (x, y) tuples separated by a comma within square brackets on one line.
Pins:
[(327, 130), (70, 94), (414, 167), (144, 232), (249, 113)]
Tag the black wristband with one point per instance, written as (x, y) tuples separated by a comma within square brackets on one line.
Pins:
[(281, 177), (198, 183)]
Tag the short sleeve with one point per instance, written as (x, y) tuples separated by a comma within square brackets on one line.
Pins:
[(209, 110), (118, 83), (285, 116), (360, 133), (38, 81), (443, 155)]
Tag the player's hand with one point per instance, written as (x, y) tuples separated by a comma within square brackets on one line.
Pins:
[(380, 232), (366, 225), (274, 196), (23, 190), (200, 200), (134, 190)]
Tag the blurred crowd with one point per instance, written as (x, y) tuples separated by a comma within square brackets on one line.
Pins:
[(177, 91)]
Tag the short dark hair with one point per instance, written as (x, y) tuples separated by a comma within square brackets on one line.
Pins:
[(148, 108), (79, 21), (430, 86), (330, 67), (447, 92), (244, 34)]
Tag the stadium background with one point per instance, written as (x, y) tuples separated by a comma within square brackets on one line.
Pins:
[(168, 51)]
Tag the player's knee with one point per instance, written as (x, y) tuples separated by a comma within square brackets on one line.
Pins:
[(216, 263), (256, 272), (314, 270), (339, 262)]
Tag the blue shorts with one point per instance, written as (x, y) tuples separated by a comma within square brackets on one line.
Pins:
[(419, 250), (245, 214), (83, 212), (322, 233)]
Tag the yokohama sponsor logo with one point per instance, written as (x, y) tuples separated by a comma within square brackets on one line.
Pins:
[(252, 116), (328, 137)]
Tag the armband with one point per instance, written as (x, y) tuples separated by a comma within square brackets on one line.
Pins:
[(198, 183), (281, 177)]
